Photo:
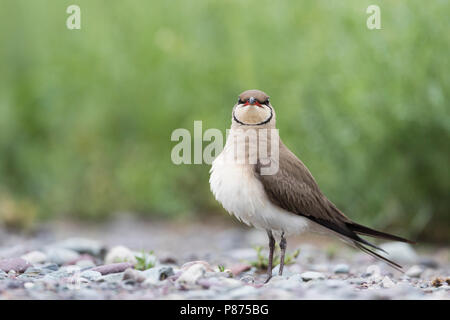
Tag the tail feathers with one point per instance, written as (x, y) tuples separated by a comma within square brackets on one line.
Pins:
[(360, 229), (378, 256)]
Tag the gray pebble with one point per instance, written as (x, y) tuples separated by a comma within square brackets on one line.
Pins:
[(91, 275), (61, 256), (312, 275), (132, 275), (414, 272), (341, 269), (14, 264), (248, 279)]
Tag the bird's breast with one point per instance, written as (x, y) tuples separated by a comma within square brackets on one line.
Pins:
[(236, 187)]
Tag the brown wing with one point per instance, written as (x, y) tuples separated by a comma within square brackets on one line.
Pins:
[(294, 189)]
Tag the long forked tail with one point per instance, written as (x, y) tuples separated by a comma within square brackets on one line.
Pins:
[(362, 230), (378, 256)]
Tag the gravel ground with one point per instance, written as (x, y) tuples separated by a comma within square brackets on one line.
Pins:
[(181, 260)]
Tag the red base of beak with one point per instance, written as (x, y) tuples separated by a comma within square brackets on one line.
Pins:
[(256, 103)]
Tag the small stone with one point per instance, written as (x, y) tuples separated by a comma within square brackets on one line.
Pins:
[(14, 264), (113, 268), (387, 282), (187, 265), (237, 269), (156, 274), (61, 256), (35, 257), (51, 267), (248, 279), (91, 275), (312, 275), (111, 278), (414, 272), (296, 278), (192, 274), (85, 264), (36, 271), (28, 285), (341, 269), (120, 254), (133, 275)]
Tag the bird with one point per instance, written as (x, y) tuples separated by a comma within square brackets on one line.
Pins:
[(285, 202)]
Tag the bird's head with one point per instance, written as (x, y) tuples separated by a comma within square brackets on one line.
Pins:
[(253, 109)]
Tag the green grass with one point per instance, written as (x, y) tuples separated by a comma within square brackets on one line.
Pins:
[(86, 116), (262, 260)]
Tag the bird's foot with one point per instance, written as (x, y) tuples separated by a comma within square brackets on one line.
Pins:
[(268, 278)]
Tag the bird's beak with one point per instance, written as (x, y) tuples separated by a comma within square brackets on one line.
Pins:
[(252, 101)]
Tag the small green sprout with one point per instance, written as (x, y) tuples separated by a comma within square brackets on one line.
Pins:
[(145, 261), (221, 267), (262, 260)]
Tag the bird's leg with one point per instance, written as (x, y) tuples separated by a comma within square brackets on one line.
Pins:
[(282, 253), (271, 249)]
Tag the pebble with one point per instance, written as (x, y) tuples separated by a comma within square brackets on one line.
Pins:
[(193, 273), (120, 254), (341, 269), (158, 273), (248, 279), (61, 256), (91, 275), (113, 268), (207, 266), (414, 272), (312, 275), (48, 277), (111, 278), (387, 282), (133, 276), (14, 264), (35, 257), (237, 269), (28, 285)]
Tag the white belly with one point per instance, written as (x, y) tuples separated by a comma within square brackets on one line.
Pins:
[(242, 194)]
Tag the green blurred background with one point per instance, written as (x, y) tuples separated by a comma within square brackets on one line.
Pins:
[(86, 115)]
